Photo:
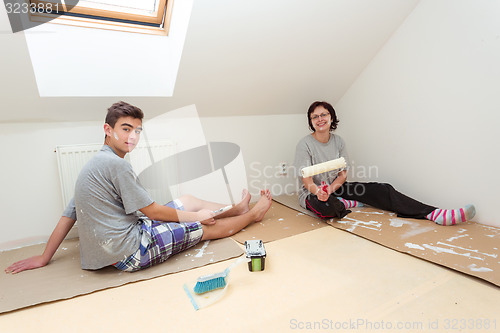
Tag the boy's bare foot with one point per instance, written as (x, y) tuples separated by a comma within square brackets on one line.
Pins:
[(262, 206), (242, 207)]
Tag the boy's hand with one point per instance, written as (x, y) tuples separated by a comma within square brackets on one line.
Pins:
[(206, 216), (26, 264)]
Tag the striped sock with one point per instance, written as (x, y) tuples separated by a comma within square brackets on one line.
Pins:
[(350, 203), (452, 216)]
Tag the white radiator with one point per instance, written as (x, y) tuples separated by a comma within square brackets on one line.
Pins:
[(71, 159)]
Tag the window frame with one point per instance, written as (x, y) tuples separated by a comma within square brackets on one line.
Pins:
[(156, 24)]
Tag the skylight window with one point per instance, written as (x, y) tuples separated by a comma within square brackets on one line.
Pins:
[(145, 16)]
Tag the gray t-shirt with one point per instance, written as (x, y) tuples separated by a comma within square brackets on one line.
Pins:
[(309, 152), (107, 198)]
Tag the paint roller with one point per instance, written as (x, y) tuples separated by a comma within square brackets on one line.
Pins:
[(312, 170)]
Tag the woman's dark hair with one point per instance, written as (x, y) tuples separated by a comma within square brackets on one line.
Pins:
[(122, 109), (330, 109)]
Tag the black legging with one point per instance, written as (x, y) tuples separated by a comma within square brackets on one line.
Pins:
[(384, 196)]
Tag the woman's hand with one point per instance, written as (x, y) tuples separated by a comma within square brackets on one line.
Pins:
[(323, 192), (322, 195)]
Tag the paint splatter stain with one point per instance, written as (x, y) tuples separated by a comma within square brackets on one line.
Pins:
[(414, 246), (474, 268)]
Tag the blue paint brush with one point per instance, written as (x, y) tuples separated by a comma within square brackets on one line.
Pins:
[(215, 281)]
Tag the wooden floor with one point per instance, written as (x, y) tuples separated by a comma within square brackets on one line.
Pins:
[(321, 280)]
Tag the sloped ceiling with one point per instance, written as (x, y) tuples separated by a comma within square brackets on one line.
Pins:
[(240, 58)]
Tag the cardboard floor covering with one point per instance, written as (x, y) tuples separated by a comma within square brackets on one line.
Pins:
[(470, 247), (278, 223), (63, 278)]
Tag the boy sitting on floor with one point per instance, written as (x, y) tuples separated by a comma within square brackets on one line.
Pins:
[(108, 196)]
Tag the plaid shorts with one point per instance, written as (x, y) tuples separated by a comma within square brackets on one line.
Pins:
[(161, 240)]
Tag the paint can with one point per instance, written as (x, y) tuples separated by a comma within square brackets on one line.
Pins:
[(257, 253)]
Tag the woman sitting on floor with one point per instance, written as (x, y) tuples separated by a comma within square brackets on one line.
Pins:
[(329, 194)]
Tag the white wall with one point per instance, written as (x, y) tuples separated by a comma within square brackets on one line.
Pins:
[(265, 142), (425, 111), (30, 192)]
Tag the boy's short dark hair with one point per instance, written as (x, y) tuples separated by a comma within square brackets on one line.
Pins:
[(331, 110), (122, 109)]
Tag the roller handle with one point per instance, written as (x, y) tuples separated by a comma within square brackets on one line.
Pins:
[(222, 210)]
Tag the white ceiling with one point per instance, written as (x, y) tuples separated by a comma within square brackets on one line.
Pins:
[(240, 58)]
